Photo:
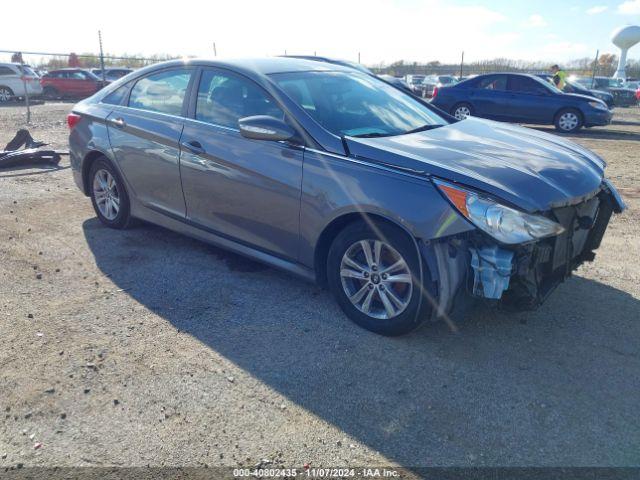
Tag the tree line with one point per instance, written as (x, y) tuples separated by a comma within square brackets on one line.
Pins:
[(605, 66)]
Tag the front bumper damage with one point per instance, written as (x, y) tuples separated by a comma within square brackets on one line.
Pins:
[(519, 277)]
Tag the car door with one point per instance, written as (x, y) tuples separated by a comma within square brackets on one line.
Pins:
[(81, 84), (247, 190), (530, 101), (489, 97), (145, 138)]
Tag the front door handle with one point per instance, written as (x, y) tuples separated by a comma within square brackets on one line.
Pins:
[(118, 122), (193, 146)]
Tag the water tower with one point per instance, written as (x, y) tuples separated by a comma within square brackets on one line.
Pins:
[(624, 38)]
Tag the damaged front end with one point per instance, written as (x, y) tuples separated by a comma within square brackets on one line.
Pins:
[(519, 275)]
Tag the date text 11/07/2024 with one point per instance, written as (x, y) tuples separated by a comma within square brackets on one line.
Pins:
[(316, 472)]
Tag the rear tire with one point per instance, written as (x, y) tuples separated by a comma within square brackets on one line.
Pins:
[(378, 287), (6, 94), (50, 93), (568, 120), (462, 110), (109, 195)]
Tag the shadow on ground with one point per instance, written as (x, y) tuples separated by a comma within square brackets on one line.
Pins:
[(556, 387), (27, 170)]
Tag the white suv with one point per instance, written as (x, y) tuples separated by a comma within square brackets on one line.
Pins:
[(12, 85)]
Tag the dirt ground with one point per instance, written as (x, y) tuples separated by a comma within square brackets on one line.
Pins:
[(144, 347)]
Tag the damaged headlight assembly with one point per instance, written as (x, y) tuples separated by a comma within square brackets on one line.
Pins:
[(505, 224)]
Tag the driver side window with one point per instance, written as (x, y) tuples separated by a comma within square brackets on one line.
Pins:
[(223, 99)]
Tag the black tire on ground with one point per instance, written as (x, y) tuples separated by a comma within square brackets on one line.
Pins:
[(123, 217), (6, 94), (417, 309), (50, 93), (568, 120), (460, 108)]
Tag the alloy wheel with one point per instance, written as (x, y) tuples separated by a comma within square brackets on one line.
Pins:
[(105, 191), (462, 112), (568, 121), (5, 95), (376, 279)]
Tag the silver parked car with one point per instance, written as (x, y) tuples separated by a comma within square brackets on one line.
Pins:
[(337, 176), (13, 80)]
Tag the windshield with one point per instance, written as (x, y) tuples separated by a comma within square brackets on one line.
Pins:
[(353, 104), (548, 84), (28, 71)]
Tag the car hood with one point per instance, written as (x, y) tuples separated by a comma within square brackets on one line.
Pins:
[(581, 96), (600, 92), (532, 170)]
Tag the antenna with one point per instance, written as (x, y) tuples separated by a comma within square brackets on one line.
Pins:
[(624, 38)]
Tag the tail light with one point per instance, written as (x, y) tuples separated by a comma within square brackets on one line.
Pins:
[(435, 92), (72, 120)]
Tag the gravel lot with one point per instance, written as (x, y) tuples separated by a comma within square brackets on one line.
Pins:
[(144, 347)]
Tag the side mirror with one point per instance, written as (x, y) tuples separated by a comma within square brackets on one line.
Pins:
[(264, 127)]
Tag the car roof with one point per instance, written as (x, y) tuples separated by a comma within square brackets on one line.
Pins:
[(333, 61), (262, 66)]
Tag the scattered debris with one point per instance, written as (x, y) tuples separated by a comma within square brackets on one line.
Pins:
[(231, 379), (37, 445), (30, 155)]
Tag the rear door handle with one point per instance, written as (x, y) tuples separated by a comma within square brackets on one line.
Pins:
[(118, 122), (193, 146)]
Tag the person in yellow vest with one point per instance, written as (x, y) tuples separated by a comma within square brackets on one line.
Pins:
[(559, 77)]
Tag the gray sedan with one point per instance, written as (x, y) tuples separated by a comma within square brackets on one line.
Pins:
[(340, 178)]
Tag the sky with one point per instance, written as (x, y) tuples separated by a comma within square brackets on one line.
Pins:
[(378, 30)]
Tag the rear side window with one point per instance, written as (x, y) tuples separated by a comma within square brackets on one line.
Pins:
[(493, 82), (5, 71), (162, 92), (224, 99)]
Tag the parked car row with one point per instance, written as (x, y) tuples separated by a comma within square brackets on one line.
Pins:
[(61, 83)]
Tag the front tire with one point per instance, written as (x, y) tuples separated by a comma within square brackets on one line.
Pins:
[(109, 195), (568, 120), (374, 273)]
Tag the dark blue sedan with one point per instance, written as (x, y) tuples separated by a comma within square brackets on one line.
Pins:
[(515, 97)]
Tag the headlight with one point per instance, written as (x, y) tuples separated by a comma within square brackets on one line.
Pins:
[(598, 105), (505, 224)]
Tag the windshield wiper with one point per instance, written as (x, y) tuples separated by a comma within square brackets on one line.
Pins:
[(371, 135), (423, 128)]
